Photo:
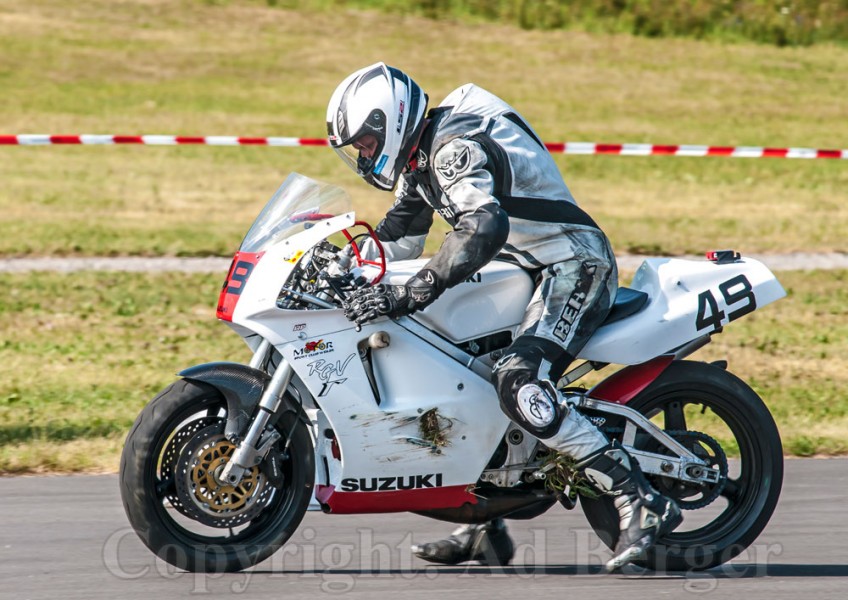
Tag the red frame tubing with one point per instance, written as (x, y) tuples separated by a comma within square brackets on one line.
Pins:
[(626, 384), (361, 261)]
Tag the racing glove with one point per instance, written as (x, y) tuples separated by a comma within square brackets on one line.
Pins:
[(369, 303)]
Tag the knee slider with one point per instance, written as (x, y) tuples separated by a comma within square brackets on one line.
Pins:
[(537, 404), (530, 403)]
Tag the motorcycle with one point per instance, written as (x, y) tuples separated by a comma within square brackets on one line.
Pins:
[(400, 415)]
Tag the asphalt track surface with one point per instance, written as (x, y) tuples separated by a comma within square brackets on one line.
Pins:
[(68, 537)]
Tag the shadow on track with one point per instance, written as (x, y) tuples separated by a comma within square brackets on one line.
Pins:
[(727, 571)]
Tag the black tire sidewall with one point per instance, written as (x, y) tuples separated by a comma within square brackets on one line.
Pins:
[(734, 397), (144, 508)]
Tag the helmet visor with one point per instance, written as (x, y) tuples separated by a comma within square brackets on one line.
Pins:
[(350, 155), (362, 154)]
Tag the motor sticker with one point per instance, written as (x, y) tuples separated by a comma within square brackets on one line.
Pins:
[(313, 348)]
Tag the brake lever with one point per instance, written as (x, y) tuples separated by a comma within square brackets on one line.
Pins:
[(336, 283)]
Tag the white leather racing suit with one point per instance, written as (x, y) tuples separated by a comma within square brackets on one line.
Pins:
[(486, 172)]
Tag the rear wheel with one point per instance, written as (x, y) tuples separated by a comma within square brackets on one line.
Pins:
[(175, 500), (722, 420)]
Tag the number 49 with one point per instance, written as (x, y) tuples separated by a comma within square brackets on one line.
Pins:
[(735, 290)]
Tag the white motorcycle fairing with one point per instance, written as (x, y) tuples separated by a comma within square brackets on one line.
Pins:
[(380, 444), (687, 299), (415, 420), (414, 438)]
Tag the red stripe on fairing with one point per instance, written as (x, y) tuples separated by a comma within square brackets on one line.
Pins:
[(65, 139), (127, 139), (8, 140), (313, 142), (608, 148), (452, 496), (626, 384)]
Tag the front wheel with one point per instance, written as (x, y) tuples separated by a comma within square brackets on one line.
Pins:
[(177, 504), (722, 420)]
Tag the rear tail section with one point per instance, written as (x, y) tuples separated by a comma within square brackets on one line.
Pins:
[(688, 300)]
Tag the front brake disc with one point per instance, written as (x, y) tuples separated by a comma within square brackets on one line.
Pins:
[(203, 496), (168, 461)]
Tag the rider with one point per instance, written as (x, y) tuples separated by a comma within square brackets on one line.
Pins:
[(474, 160)]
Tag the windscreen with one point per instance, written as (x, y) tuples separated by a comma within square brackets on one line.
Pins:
[(298, 203)]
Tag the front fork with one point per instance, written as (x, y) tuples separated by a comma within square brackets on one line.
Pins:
[(252, 449)]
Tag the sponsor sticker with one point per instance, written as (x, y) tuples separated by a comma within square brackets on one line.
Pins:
[(455, 165), (378, 168), (400, 116), (575, 302), (422, 160), (329, 372), (390, 484), (313, 348), (294, 257), (502, 361)]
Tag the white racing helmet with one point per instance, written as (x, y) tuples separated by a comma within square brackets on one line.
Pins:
[(382, 102)]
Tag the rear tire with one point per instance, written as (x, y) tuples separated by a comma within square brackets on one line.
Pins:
[(750, 497), (150, 500)]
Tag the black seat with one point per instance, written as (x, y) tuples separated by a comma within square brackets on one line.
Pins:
[(627, 302)]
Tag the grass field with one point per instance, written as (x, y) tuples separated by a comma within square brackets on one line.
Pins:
[(187, 67), (82, 353)]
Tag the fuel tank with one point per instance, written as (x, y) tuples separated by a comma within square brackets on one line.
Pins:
[(492, 300)]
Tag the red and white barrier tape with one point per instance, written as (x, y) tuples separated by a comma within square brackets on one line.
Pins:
[(556, 148), (156, 140)]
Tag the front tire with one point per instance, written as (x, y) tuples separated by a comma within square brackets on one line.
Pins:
[(188, 417), (700, 402)]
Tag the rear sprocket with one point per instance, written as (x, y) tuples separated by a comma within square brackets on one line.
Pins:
[(707, 449)]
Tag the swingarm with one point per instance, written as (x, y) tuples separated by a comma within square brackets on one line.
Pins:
[(682, 464)]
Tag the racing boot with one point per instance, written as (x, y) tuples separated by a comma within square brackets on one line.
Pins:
[(644, 514), (489, 544)]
